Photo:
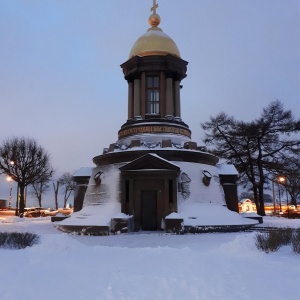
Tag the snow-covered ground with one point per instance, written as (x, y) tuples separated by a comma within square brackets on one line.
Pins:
[(145, 266)]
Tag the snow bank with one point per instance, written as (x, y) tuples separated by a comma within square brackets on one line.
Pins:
[(145, 266), (211, 214), (94, 215)]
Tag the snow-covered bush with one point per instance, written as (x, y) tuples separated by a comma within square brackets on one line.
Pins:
[(17, 240), (296, 241), (273, 240), (284, 235), (3, 238), (267, 242)]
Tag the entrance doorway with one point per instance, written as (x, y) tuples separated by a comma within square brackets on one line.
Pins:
[(149, 210)]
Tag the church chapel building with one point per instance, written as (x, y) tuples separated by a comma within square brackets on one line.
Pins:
[(154, 177)]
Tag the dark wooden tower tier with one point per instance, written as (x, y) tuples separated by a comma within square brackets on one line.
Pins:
[(154, 93)]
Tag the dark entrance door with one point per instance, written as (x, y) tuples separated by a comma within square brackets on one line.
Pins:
[(149, 211)]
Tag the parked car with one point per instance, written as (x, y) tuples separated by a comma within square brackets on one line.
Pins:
[(33, 212), (65, 211)]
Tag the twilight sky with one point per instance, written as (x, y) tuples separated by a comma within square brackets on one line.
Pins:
[(61, 81)]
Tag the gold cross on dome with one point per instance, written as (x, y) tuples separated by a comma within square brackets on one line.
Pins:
[(154, 7)]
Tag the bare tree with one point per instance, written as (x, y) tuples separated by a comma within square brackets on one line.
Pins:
[(256, 148), (39, 188), (25, 162), (67, 181)]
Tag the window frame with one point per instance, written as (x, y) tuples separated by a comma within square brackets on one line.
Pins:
[(153, 94)]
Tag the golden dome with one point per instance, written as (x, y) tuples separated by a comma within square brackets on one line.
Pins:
[(154, 41)]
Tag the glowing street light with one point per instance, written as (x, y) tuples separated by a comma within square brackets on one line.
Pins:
[(281, 179)]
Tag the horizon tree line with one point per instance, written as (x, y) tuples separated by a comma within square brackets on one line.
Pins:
[(65, 183)]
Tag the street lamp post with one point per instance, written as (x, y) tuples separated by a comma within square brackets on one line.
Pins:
[(287, 203), (280, 211), (17, 202), (12, 164), (9, 179), (274, 198), (281, 180), (278, 180)]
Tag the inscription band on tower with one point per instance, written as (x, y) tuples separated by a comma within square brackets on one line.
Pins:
[(153, 129)]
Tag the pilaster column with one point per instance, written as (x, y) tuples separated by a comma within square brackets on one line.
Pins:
[(177, 98), (169, 95), (136, 97), (130, 100), (143, 95)]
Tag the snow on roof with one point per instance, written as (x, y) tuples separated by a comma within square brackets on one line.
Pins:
[(227, 169), (83, 172), (163, 159), (245, 201), (157, 156)]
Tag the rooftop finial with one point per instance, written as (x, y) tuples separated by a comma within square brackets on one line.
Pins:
[(154, 7), (154, 19)]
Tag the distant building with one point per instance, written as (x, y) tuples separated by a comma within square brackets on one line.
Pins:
[(247, 206)]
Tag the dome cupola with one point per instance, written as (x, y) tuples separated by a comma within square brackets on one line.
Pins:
[(154, 41)]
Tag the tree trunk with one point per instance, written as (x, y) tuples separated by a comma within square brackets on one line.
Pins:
[(65, 199), (256, 198), (17, 202), (22, 200), (260, 185), (293, 200), (55, 187), (261, 201)]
